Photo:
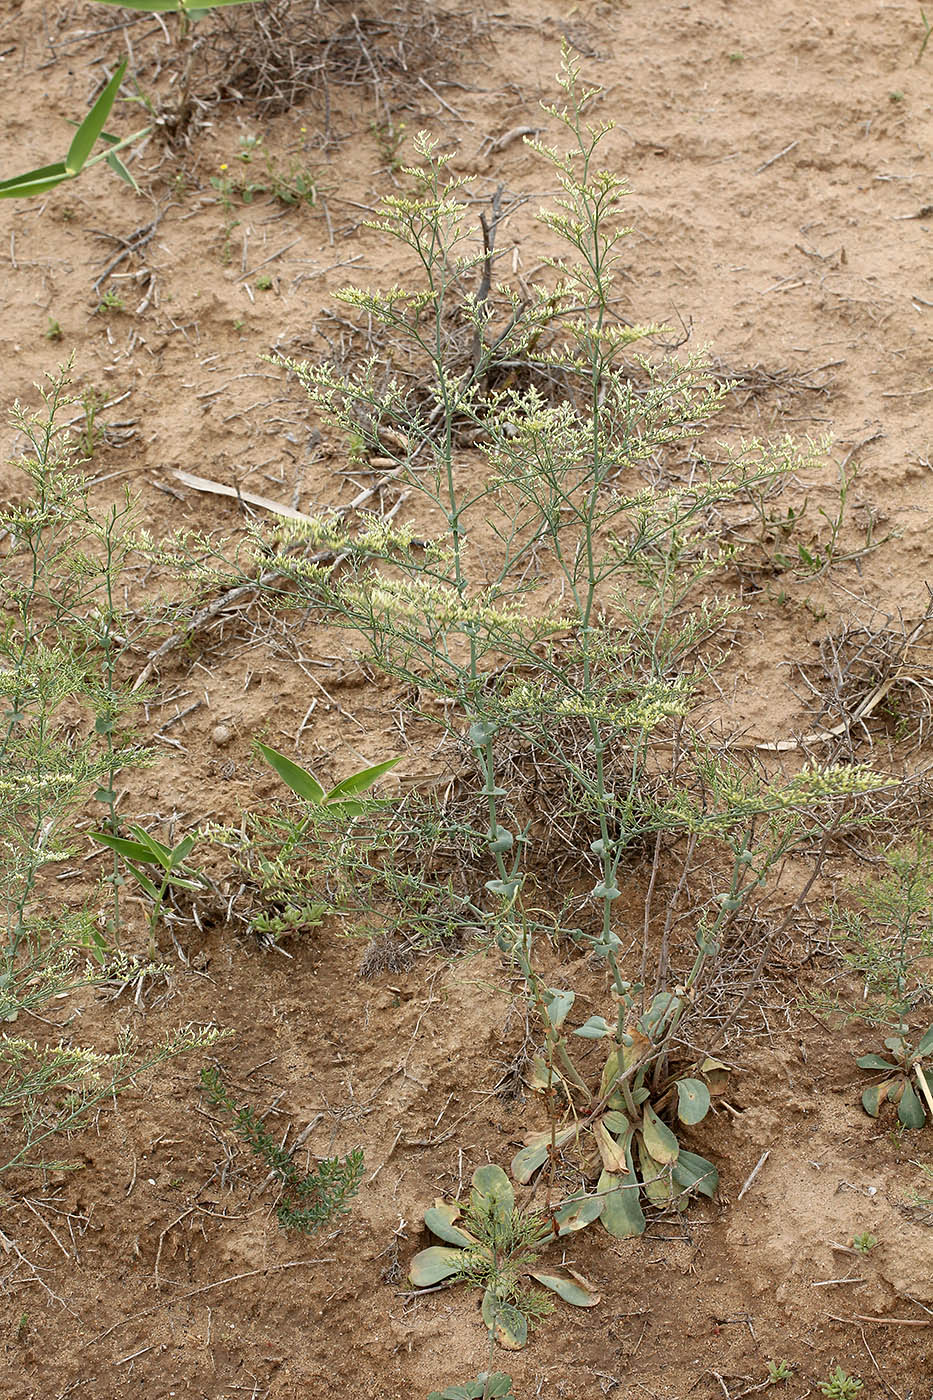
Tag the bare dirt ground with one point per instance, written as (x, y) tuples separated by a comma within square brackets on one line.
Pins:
[(779, 158)]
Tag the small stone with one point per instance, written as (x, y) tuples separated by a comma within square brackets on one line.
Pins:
[(221, 735)]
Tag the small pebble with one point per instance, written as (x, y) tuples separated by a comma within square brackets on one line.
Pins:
[(221, 735)]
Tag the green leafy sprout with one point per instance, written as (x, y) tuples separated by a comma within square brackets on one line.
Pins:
[(840, 1385), (167, 863), (342, 797), (91, 130)]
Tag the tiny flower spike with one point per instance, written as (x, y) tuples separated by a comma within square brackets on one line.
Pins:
[(493, 1246)]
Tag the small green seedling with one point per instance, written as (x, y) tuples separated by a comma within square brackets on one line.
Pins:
[(53, 330), (864, 1243), (264, 283), (110, 301), (145, 850), (840, 1385), (342, 797), (779, 1371), (895, 1087), (496, 1248), (495, 1385)]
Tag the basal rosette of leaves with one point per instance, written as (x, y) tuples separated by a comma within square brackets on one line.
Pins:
[(493, 1245), (895, 1087), (488, 1385), (619, 1125)]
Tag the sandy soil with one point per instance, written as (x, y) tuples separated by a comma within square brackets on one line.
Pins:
[(779, 158)]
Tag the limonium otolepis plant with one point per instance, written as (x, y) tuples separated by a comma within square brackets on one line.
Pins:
[(582, 608)]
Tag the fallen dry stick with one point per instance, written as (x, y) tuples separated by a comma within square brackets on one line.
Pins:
[(861, 711), (233, 595), (885, 1321), (217, 488)]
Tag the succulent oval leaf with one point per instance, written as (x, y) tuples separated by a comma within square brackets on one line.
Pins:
[(433, 1265), (910, 1110), (715, 1073), (536, 1152), (616, 1122), (611, 1152), (659, 1141), (656, 1177), (663, 1007), (569, 1285), (611, 1071), (492, 1192), (874, 1097), (692, 1100), (874, 1062), (621, 1214), (497, 1386), (440, 1221), (594, 1029), (541, 1077), (924, 1045), (694, 1173), (635, 1049), (505, 1322), (557, 1004), (577, 1214)]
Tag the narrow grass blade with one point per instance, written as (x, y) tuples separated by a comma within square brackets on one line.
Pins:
[(294, 776), (118, 168), (361, 781), (46, 177), (130, 850), (85, 138)]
